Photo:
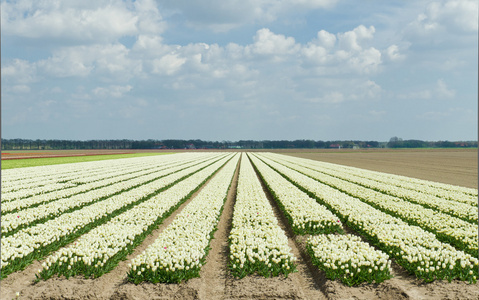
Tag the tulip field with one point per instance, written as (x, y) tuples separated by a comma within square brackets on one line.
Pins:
[(192, 220)]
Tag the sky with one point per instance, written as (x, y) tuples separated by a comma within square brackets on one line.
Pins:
[(239, 70)]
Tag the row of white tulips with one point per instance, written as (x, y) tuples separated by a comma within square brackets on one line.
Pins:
[(38, 240), (36, 174), (98, 178), (464, 211), (331, 253), (405, 188), (33, 174), (54, 208), (98, 251), (36, 190), (180, 250), (257, 243), (19, 189), (349, 259), (418, 251), (459, 233), (149, 164), (305, 214), (109, 185), (394, 183), (415, 183)]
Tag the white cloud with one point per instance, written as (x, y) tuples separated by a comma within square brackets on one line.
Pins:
[(326, 39), (439, 91), (268, 43), (316, 55), (168, 64), (110, 60), (442, 21), (371, 90), (367, 61), (393, 54), (443, 91), (350, 40), (311, 4), (150, 46), (149, 17), (340, 91), (75, 22), (67, 62), (19, 70), (349, 55), (454, 14), (115, 91)]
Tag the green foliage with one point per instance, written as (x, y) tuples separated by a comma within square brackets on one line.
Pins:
[(353, 276)]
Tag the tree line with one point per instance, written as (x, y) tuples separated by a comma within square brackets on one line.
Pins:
[(28, 144)]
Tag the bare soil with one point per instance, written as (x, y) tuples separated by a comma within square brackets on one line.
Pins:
[(216, 281)]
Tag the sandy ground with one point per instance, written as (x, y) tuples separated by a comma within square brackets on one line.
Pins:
[(217, 283)]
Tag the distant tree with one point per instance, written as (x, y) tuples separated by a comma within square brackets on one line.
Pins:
[(395, 142)]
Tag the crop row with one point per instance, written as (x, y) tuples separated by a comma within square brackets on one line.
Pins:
[(348, 258), (38, 214), (89, 180), (99, 251), (102, 231), (343, 257), (180, 250), (397, 185), (465, 211), (257, 243), (459, 233), (16, 178), (19, 249), (416, 250), (305, 214), (44, 184)]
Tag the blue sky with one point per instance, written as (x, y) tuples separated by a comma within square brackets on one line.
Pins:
[(233, 70)]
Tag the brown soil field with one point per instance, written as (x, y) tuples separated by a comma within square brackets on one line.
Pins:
[(216, 281)]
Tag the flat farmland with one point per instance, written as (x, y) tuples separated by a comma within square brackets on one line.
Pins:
[(451, 166), (206, 225)]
